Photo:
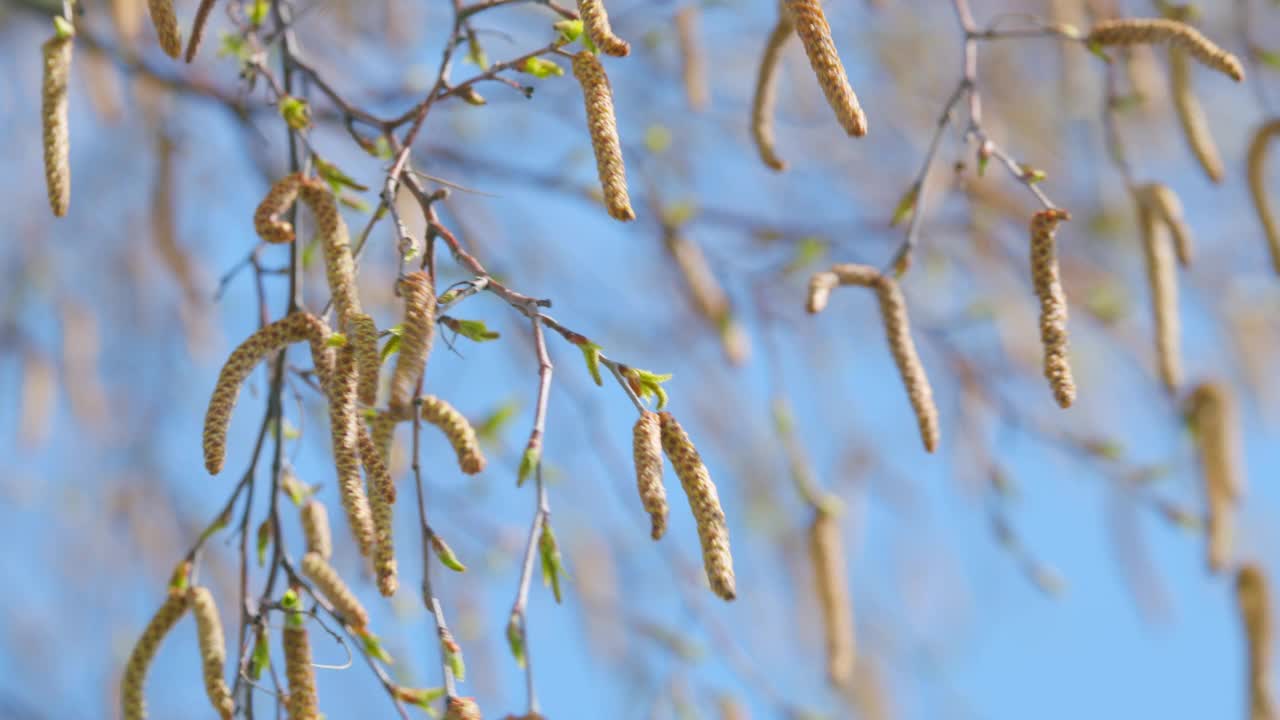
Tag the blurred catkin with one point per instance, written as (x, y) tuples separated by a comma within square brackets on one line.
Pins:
[(344, 430), (1162, 278), (1165, 202), (897, 330), (1147, 31), (1211, 413), (831, 581), (165, 21), (328, 583), (266, 218), (363, 335), (595, 20), (1053, 305), (704, 501), (53, 115), (598, 99), (1257, 163), (458, 430), (213, 650), (647, 453), (693, 61), (382, 498), (461, 708), (820, 286), (197, 28), (1195, 125), (132, 701), (335, 241), (302, 702), (415, 341), (315, 526), (1254, 602), (764, 101), (811, 25), (292, 328)]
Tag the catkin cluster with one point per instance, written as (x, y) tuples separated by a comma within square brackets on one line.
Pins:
[(335, 241), (363, 335), (302, 702), (1254, 602), (1211, 412), (704, 501), (1257, 164), (765, 99), (292, 328), (1195, 125), (132, 701), (595, 20), (831, 580), (461, 708), (53, 117), (345, 430), (327, 581), (415, 341), (1147, 31), (647, 452), (1053, 305), (315, 527), (811, 25), (455, 427), (213, 650), (1162, 278), (598, 98), (382, 497)]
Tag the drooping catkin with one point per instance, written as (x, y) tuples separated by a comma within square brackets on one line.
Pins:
[(764, 101), (197, 27), (458, 430), (335, 241), (302, 702), (831, 581), (595, 20), (363, 335), (53, 116), (1191, 117), (213, 650), (597, 96), (461, 708), (704, 501), (820, 286), (383, 430), (1053, 305), (1254, 602), (382, 498), (811, 25), (344, 429), (328, 583), (647, 452), (132, 686), (315, 526), (693, 60), (1162, 278), (165, 21), (292, 328), (1257, 163), (1211, 412), (897, 330), (1147, 31), (279, 199), (415, 341), (1166, 204)]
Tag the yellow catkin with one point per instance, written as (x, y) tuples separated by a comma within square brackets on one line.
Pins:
[(455, 427), (1191, 117), (415, 341), (132, 701), (383, 430), (811, 25), (1147, 31), (598, 98), (831, 581), (289, 329), (461, 708), (765, 99), (1254, 602), (165, 21), (1257, 163), (1211, 412), (382, 498), (197, 27), (328, 583), (279, 198), (1053, 305), (302, 702), (647, 452), (363, 335), (335, 241), (315, 526), (213, 650), (1162, 279), (708, 296), (53, 116), (704, 501), (897, 330), (344, 430), (692, 59), (595, 20), (1169, 208)]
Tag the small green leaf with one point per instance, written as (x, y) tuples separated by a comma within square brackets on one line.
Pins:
[(453, 655), (179, 578), (476, 54), (549, 552), (591, 353), (445, 553), (264, 541), (647, 384), (335, 340), (233, 45), (422, 697), (569, 30), (474, 330), (336, 178), (808, 250), (261, 657), (542, 68), (515, 639), (906, 205), (374, 648), (393, 342), (1270, 58), (258, 12), (489, 428), (295, 111), (528, 463), (63, 29)]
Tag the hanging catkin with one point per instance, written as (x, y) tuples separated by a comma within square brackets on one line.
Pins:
[(53, 117), (831, 581), (1257, 163), (213, 650), (811, 25), (897, 330), (455, 427), (292, 328), (1195, 125), (1053, 305), (197, 27), (1162, 278), (382, 498), (595, 20), (1211, 412), (363, 335), (598, 98), (315, 526), (1165, 202), (415, 341), (1254, 603), (266, 218), (335, 241), (165, 21), (764, 101), (328, 583), (820, 286), (693, 61), (704, 501), (132, 701), (302, 702), (646, 450), (344, 430), (1148, 31)]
